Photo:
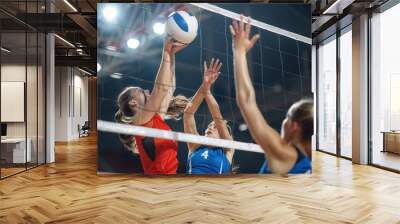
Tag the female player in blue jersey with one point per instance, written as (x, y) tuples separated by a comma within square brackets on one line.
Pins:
[(205, 159), (290, 152)]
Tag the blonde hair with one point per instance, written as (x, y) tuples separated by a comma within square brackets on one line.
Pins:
[(125, 114), (176, 106)]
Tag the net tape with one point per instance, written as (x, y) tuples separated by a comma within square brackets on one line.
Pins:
[(254, 22), (107, 126)]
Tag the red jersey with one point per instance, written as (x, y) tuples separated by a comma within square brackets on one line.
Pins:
[(165, 161)]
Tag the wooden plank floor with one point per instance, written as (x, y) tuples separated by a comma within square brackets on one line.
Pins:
[(10, 171), (70, 191)]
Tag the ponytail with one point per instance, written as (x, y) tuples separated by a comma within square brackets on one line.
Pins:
[(121, 117), (176, 107), (127, 140)]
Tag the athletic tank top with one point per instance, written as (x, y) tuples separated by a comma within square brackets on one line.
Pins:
[(208, 160), (302, 165), (158, 156)]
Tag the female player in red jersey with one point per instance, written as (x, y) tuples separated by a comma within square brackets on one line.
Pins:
[(139, 107)]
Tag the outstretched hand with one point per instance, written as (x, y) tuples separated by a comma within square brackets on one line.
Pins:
[(241, 40), (171, 46), (211, 73)]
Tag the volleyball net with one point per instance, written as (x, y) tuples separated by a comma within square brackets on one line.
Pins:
[(135, 130)]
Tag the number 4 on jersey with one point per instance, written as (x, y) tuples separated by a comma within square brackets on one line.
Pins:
[(205, 154)]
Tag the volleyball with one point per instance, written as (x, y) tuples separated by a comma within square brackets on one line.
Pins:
[(182, 26)]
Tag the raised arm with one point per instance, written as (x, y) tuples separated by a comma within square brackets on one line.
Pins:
[(164, 83), (280, 155), (209, 77), (211, 74), (171, 90), (189, 123), (220, 123)]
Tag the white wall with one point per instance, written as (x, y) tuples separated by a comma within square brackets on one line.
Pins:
[(12, 73), (33, 127), (17, 73), (71, 93), (61, 103), (82, 83)]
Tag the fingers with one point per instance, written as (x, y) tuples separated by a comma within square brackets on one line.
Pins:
[(232, 30), (248, 27), (254, 40), (235, 27), (178, 46), (241, 24), (169, 41), (215, 65), (219, 67), (242, 28)]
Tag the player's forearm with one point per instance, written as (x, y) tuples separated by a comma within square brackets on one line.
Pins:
[(245, 94), (173, 78), (189, 123), (214, 108), (163, 81), (261, 132), (196, 101)]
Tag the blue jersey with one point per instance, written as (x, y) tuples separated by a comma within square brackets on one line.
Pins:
[(302, 165), (208, 160)]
